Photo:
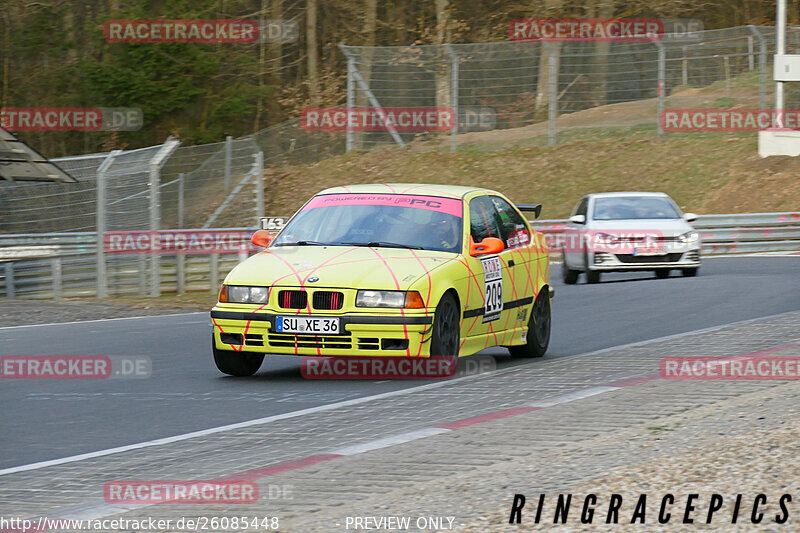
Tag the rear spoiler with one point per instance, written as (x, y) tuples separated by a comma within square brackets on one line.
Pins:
[(535, 208)]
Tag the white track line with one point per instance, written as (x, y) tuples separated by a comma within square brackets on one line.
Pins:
[(103, 320)]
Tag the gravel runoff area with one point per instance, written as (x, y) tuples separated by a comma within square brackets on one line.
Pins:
[(745, 445)]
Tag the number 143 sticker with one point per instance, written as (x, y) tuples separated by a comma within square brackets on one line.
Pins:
[(493, 283)]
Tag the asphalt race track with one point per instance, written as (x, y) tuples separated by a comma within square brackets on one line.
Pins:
[(50, 419)]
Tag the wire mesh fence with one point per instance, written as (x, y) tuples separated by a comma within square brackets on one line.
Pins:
[(545, 88), (501, 92)]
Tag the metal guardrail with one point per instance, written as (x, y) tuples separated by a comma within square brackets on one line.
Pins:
[(722, 234), (63, 265)]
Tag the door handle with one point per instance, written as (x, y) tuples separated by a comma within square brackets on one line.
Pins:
[(511, 262)]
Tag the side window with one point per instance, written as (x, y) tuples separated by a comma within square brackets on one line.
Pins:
[(582, 208), (514, 232), (483, 219)]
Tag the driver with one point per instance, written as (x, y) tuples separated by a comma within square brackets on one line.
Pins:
[(443, 232)]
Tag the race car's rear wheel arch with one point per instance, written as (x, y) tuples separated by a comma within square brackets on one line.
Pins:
[(446, 337), (233, 363), (538, 338)]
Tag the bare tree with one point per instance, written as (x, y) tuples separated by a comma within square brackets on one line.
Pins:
[(312, 51)]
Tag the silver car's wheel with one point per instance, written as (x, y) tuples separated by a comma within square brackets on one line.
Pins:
[(570, 276), (592, 276)]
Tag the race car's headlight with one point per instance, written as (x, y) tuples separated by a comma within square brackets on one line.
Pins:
[(689, 237), (241, 294), (395, 299), (605, 238)]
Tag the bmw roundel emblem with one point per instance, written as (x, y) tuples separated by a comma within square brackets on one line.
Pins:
[(313, 279)]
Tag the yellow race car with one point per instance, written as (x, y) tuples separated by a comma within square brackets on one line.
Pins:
[(389, 270)]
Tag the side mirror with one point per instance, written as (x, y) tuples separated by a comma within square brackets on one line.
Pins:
[(262, 238), (577, 219), (689, 217), (489, 245)]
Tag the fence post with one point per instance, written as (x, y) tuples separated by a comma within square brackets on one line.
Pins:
[(370, 97), (11, 292), (552, 108), (180, 259), (228, 157), (213, 268), (762, 66), (685, 67), (258, 180), (726, 61), (142, 260), (102, 278), (55, 264), (780, 49), (662, 59), (351, 98), (155, 210), (453, 95), (750, 59)]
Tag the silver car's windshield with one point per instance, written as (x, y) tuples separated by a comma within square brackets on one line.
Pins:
[(634, 208)]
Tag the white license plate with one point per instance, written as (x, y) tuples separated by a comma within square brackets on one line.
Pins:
[(649, 251), (315, 325)]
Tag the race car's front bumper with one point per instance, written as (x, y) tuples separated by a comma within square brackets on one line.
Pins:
[(361, 334)]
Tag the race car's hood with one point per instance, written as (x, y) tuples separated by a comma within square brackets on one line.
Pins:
[(355, 267)]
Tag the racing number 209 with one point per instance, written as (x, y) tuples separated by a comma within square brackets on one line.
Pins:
[(493, 283)]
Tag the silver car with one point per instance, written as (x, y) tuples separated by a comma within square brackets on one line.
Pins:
[(628, 231)]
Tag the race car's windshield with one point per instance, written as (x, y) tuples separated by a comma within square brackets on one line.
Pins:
[(380, 220), (634, 208)]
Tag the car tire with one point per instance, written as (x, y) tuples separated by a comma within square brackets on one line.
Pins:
[(539, 322), (446, 339), (662, 273), (240, 364), (592, 276), (570, 276), (689, 272)]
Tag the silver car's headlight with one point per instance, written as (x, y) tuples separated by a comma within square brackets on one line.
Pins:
[(243, 294), (689, 237)]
